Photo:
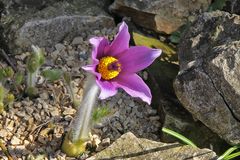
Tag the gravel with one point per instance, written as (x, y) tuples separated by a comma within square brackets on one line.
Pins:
[(35, 127)]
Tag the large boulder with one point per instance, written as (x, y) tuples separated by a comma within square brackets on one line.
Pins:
[(128, 146), (54, 22), (47, 32), (173, 115), (208, 83), (159, 15)]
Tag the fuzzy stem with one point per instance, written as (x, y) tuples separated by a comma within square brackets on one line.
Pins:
[(79, 131), (29, 79), (70, 91), (34, 78), (81, 123)]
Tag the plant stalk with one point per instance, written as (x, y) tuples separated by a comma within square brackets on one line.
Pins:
[(72, 96), (74, 142)]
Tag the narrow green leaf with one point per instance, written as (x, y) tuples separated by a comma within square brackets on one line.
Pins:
[(231, 156), (142, 40), (100, 113), (178, 136), (228, 152), (52, 74), (67, 77), (2, 93), (19, 78)]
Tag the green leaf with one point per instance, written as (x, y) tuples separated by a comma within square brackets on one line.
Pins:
[(228, 152), (36, 59), (231, 156), (2, 93), (100, 113), (9, 72), (142, 40), (9, 98), (19, 78), (52, 74), (169, 53), (67, 77), (6, 72), (39, 54), (178, 136), (32, 92), (32, 64), (217, 5), (175, 37)]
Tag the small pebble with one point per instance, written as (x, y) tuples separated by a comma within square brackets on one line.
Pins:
[(105, 142), (15, 141), (77, 40), (69, 111), (60, 47)]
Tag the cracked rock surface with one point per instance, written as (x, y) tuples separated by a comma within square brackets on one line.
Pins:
[(159, 15), (208, 83), (129, 147)]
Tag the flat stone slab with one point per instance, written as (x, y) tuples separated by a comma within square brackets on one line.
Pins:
[(128, 146)]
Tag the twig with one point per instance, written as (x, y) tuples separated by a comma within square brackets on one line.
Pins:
[(5, 150), (7, 59)]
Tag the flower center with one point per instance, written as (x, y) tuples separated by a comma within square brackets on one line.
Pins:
[(109, 67)]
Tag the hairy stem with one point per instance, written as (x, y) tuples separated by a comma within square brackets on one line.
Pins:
[(73, 144), (29, 80), (81, 123), (72, 96)]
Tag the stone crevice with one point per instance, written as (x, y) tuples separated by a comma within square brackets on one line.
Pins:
[(221, 95)]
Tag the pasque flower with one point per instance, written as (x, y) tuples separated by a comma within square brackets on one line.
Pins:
[(115, 65)]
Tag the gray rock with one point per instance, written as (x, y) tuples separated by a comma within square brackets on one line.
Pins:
[(232, 6), (105, 142), (173, 115), (159, 15), (34, 32), (63, 20), (77, 40), (15, 141), (128, 146), (208, 83)]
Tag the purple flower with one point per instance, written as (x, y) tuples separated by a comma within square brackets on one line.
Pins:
[(115, 65)]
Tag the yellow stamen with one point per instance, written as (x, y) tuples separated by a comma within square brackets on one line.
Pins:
[(109, 67)]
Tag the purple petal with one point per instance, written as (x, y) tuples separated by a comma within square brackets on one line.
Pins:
[(91, 69), (137, 58), (99, 44), (107, 89), (134, 86), (121, 41)]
